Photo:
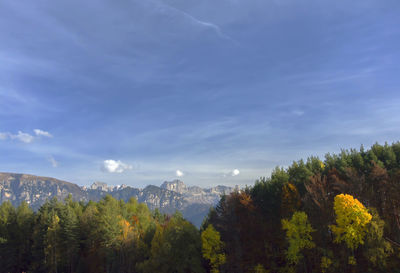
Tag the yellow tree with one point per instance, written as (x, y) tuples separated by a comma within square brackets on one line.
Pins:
[(212, 248), (128, 231), (351, 221), (128, 240)]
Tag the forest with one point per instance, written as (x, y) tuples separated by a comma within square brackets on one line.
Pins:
[(339, 214)]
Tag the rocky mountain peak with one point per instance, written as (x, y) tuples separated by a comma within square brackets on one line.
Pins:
[(99, 186), (175, 185)]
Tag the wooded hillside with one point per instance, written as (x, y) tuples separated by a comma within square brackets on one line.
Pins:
[(340, 214)]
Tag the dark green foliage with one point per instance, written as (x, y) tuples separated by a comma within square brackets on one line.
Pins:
[(176, 247), (16, 229), (108, 236)]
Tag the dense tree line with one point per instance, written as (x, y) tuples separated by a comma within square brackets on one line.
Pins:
[(107, 236), (340, 214)]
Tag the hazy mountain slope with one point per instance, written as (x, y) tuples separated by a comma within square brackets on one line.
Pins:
[(35, 190), (197, 200), (194, 202)]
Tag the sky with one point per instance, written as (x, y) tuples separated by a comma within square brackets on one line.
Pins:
[(211, 92)]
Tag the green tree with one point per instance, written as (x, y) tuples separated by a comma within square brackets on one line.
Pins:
[(16, 237), (298, 235), (69, 238), (176, 247), (52, 250), (376, 248)]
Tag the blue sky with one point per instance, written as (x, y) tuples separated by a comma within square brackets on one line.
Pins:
[(222, 91)]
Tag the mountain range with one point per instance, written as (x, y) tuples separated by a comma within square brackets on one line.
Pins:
[(194, 202)]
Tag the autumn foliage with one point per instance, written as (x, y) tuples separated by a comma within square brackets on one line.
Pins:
[(337, 215), (351, 221), (341, 214)]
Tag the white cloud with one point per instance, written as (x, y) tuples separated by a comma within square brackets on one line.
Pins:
[(179, 173), (39, 132), (115, 166), (235, 172), (53, 162), (23, 137)]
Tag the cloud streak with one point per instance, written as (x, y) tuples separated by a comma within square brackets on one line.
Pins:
[(24, 137), (20, 136), (209, 25), (52, 161), (39, 132)]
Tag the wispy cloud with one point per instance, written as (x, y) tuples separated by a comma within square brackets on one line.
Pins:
[(190, 18), (52, 161), (24, 137), (39, 132), (21, 136), (209, 25), (115, 166)]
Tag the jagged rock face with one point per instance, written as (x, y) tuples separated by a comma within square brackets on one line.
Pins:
[(176, 186), (197, 195), (194, 202), (99, 186), (156, 197)]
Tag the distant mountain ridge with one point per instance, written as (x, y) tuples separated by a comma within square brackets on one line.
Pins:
[(194, 202)]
